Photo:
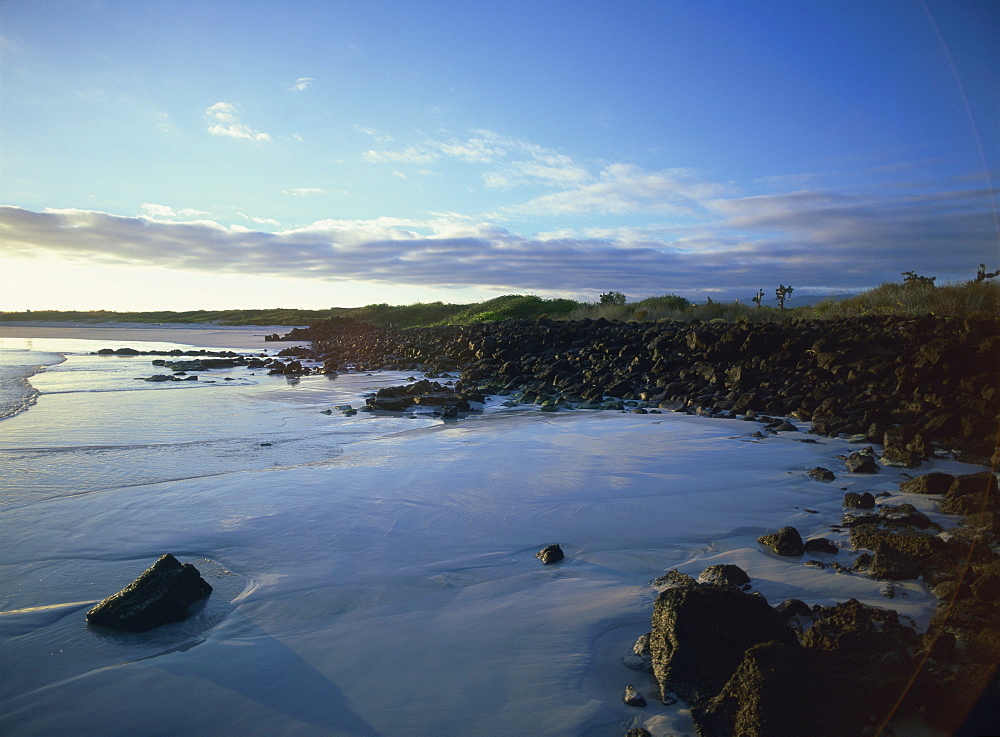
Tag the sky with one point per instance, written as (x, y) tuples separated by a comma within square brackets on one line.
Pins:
[(176, 155)]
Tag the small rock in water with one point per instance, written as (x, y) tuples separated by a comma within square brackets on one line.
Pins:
[(638, 732), (163, 593), (820, 474), (633, 697), (861, 462), (550, 554), (821, 545), (786, 541), (853, 500)]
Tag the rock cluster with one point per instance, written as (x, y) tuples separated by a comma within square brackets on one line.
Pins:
[(910, 384), (423, 393), (750, 669)]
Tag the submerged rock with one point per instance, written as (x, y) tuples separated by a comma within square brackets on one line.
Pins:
[(162, 594)]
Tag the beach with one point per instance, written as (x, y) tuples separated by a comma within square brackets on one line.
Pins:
[(376, 575)]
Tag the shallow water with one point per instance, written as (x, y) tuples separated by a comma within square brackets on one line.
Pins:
[(376, 575)]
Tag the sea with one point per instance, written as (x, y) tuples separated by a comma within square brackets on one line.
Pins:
[(104, 427)]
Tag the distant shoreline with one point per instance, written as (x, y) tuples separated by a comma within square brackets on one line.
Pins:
[(202, 335)]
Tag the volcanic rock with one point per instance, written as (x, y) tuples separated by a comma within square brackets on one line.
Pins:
[(786, 541), (724, 575), (700, 634), (161, 594), (550, 554), (821, 474)]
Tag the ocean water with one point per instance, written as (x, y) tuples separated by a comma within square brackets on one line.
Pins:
[(104, 428), (373, 575)]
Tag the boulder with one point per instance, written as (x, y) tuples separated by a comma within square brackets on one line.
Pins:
[(550, 554), (861, 463), (821, 545), (672, 579), (778, 690), (821, 474), (725, 575), (633, 697), (972, 493), (700, 633), (928, 483), (854, 500), (163, 593), (786, 541)]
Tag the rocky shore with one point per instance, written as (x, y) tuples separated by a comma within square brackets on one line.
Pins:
[(913, 388), (914, 385)]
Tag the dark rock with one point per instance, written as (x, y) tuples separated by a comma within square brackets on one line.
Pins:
[(724, 575), (972, 493), (638, 732), (821, 474), (672, 579), (928, 483), (776, 692), (700, 634), (793, 608), (161, 594), (906, 515), (639, 657), (550, 554), (821, 545), (633, 697), (861, 463), (786, 541), (853, 500)]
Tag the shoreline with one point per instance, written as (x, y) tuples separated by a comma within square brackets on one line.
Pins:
[(780, 571), (201, 335)]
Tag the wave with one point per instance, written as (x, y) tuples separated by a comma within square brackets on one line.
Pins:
[(16, 392)]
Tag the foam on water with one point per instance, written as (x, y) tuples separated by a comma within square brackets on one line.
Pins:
[(17, 365)]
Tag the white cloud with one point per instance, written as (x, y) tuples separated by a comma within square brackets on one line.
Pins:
[(259, 221), (808, 237), (167, 213), (626, 189), (227, 124), (304, 191), (513, 161), (409, 155), (300, 84)]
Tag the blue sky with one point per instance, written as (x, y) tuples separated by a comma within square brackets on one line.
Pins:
[(180, 155)]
